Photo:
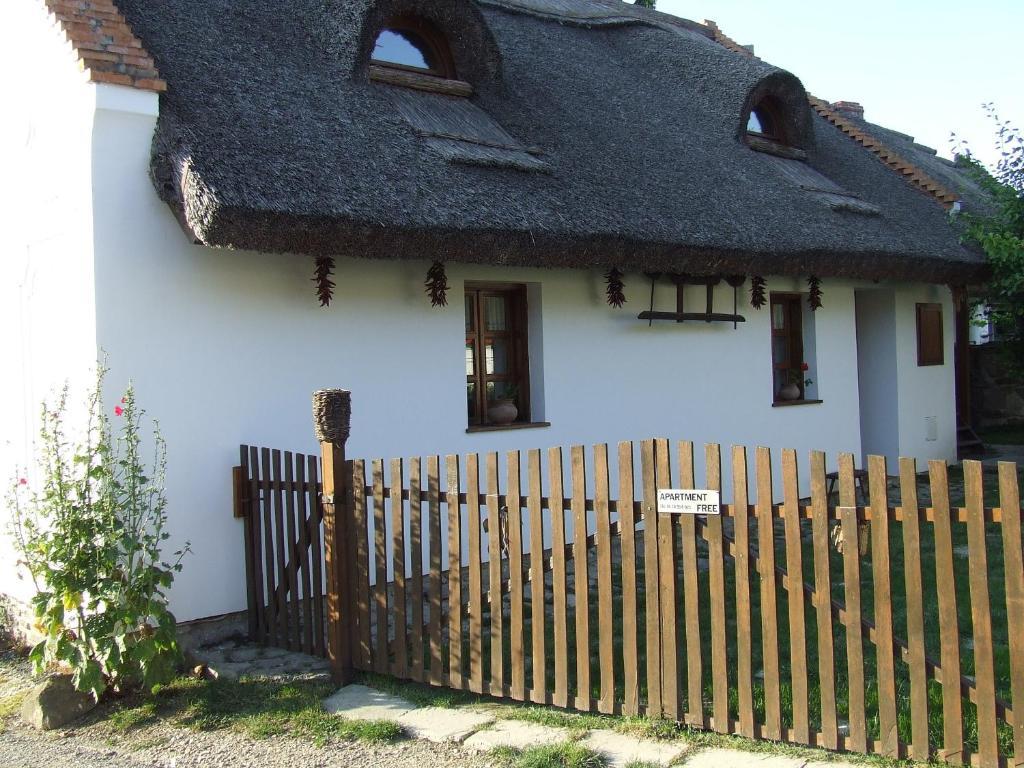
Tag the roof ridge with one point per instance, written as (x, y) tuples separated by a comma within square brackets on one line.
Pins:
[(108, 50), (910, 172)]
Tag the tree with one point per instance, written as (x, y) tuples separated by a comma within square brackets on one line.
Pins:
[(645, 3), (1000, 232)]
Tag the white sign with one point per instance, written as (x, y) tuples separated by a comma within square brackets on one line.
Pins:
[(673, 501)]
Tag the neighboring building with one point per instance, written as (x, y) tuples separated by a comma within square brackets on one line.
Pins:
[(174, 199)]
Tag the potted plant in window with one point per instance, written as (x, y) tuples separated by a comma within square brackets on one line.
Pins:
[(501, 408), (796, 382)]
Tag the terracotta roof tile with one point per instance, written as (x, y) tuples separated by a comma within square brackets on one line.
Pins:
[(911, 173), (108, 51)]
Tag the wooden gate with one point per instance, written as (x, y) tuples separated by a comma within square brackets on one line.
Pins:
[(881, 628)]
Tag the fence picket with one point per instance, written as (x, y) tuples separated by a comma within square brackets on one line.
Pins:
[(716, 577), (316, 514), (651, 580), (400, 664), (496, 629), (981, 615), (256, 537), (454, 574), (795, 597), (949, 634), (769, 597), (602, 515), (667, 588), (292, 563), (823, 602), (414, 592), (281, 569), (627, 525), (434, 582), (380, 558), (537, 618), (476, 591), (914, 588), (691, 597), (850, 522), (559, 584), (1013, 567), (361, 527), (744, 654), (298, 494), (581, 575), (882, 597), (515, 577)]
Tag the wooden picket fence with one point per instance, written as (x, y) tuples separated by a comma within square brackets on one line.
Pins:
[(884, 629)]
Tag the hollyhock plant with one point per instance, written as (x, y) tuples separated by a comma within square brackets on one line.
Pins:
[(92, 537)]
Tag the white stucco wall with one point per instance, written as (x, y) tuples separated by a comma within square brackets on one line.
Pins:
[(226, 347), (925, 392), (47, 301)]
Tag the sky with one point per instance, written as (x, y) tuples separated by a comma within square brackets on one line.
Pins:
[(922, 67)]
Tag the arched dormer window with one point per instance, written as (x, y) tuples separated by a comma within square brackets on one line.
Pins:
[(412, 52), (764, 123), (768, 130)]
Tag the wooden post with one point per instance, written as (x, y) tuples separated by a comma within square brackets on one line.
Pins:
[(332, 410)]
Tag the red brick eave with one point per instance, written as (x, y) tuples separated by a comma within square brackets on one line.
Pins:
[(912, 174), (107, 49)]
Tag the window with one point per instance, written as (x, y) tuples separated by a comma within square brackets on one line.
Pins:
[(765, 125), (930, 348), (790, 371), (414, 45), (497, 367)]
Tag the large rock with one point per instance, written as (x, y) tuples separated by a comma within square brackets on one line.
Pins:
[(54, 703)]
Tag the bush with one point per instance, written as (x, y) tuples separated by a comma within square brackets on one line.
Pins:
[(90, 530)]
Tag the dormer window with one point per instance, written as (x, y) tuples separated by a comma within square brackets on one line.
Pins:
[(766, 131), (413, 45), (412, 52), (764, 124)]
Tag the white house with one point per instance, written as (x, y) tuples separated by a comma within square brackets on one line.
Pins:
[(176, 169)]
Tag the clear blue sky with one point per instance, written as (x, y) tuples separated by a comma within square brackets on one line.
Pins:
[(923, 67)]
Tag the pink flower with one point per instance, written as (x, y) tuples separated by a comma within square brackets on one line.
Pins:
[(118, 411), (22, 481), (124, 400)]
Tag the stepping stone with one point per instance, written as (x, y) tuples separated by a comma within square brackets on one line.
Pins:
[(618, 749), (443, 725), (516, 734), (357, 702)]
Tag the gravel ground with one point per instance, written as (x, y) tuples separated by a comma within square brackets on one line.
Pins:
[(165, 746)]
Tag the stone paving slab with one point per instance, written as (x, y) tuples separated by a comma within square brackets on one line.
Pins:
[(357, 702), (516, 734), (443, 725), (733, 758), (619, 749)]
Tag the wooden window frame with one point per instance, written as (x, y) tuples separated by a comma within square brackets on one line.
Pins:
[(430, 35), (793, 332), (923, 356), (517, 338)]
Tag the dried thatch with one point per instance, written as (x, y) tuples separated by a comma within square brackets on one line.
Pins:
[(599, 134)]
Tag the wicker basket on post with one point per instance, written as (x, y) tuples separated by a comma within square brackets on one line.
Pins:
[(332, 414)]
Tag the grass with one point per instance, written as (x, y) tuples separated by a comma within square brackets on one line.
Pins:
[(566, 755), (257, 708)]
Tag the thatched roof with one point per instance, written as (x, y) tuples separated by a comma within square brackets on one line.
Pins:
[(598, 134)]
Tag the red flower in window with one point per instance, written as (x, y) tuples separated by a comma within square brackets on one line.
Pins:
[(804, 367), (22, 481), (118, 411)]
